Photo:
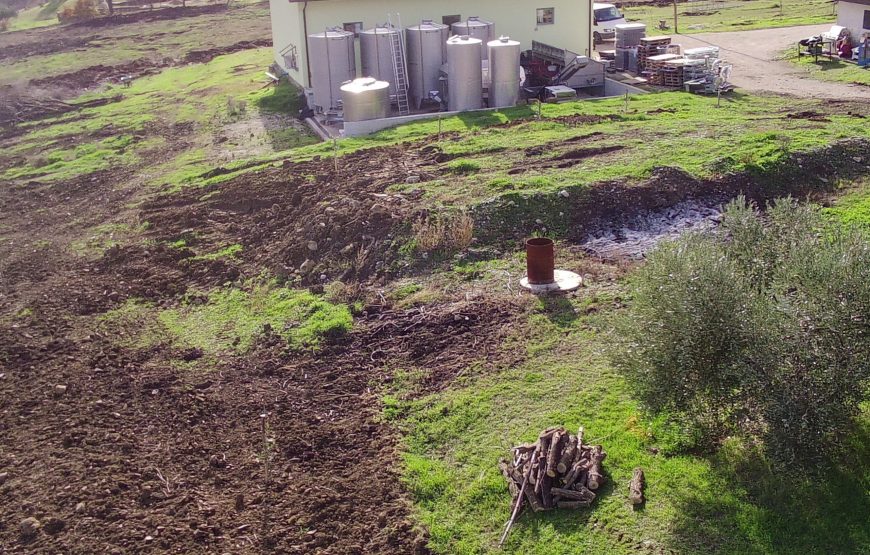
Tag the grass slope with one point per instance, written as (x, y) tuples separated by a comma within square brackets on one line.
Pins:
[(729, 502), (144, 120), (734, 15), (830, 70)]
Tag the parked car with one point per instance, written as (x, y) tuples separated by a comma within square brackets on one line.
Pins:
[(605, 18)]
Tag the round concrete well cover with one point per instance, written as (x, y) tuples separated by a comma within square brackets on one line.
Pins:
[(564, 281)]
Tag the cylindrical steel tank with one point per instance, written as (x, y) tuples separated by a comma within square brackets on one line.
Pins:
[(464, 75), (376, 54), (477, 28), (504, 72), (333, 62), (365, 98), (425, 52)]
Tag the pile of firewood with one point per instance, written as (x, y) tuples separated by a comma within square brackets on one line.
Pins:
[(558, 471)]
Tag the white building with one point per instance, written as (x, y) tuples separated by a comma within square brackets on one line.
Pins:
[(855, 16), (561, 23)]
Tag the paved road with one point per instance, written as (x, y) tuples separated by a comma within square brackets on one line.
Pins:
[(754, 53)]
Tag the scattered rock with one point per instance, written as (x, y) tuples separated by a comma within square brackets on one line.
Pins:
[(60, 390), (563, 193), (29, 527), (312, 246), (539, 221), (413, 179), (306, 266), (80, 507), (54, 525), (3, 477)]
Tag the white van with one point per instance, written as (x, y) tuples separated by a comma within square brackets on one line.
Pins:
[(605, 18)]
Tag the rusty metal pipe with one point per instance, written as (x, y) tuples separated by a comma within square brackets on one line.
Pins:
[(540, 261)]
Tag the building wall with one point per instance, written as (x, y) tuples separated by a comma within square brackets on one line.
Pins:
[(851, 16), (517, 18), (286, 31)]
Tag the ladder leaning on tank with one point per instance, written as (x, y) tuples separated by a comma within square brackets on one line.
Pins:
[(398, 50)]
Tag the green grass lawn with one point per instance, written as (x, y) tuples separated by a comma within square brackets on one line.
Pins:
[(830, 70), (727, 502), (734, 15), (37, 16), (140, 119), (113, 45)]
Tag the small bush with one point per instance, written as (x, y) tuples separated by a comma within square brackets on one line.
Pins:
[(764, 328), (444, 233), (79, 10)]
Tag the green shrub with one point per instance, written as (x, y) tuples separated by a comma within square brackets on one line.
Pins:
[(462, 167), (763, 328)]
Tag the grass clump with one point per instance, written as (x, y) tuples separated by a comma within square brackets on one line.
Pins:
[(229, 320), (444, 232), (764, 333), (463, 167), (230, 252)]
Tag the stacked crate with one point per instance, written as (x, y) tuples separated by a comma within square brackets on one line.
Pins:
[(655, 65), (651, 46)]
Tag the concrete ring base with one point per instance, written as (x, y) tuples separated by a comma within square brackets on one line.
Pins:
[(565, 281)]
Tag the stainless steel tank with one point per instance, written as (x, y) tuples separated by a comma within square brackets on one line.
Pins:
[(426, 51), (333, 62), (477, 28), (464, 75), (365, 98), (376, 54), (504, 72)]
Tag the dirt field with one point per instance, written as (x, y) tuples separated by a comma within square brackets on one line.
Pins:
[(129, 424)]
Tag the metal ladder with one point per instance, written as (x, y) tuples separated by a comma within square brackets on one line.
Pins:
[(398, 50)]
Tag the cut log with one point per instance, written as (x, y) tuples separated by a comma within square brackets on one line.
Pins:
[(546, 496), (636, 486), (595, 478), (555, 452), (540, 464), (573, 504), (574, 495), (527, 493), (512, 485), (567, 459), (574, 473)]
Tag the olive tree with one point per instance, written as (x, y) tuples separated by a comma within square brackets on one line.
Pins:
[(763, 327)]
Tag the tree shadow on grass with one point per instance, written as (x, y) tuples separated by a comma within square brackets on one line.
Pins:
[(753, 508)]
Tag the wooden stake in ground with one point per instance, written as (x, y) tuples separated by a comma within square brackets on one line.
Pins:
[(518, 503), (635, 487)]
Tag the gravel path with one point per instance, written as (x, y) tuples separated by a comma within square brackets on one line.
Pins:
[(756, 68)]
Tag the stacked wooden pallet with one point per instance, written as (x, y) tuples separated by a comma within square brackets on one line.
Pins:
[(651, 46), (655, 66)]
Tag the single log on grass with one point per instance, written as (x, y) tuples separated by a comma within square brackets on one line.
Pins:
[(595, 478), (636, 486), (567, 459), (555, 452)]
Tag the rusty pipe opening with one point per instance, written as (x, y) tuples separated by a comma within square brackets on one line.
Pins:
[(540, 261)]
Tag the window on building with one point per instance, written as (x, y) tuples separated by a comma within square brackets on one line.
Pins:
[(546, 16), (867, 19), (354, 27), (451, 19)]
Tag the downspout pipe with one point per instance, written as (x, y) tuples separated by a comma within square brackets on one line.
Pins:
[(305, 31)]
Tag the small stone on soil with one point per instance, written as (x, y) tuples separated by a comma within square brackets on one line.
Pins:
[(29, 527), (3, 476), (563, 193), (59, 390), (80, 507), (312, 245)]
